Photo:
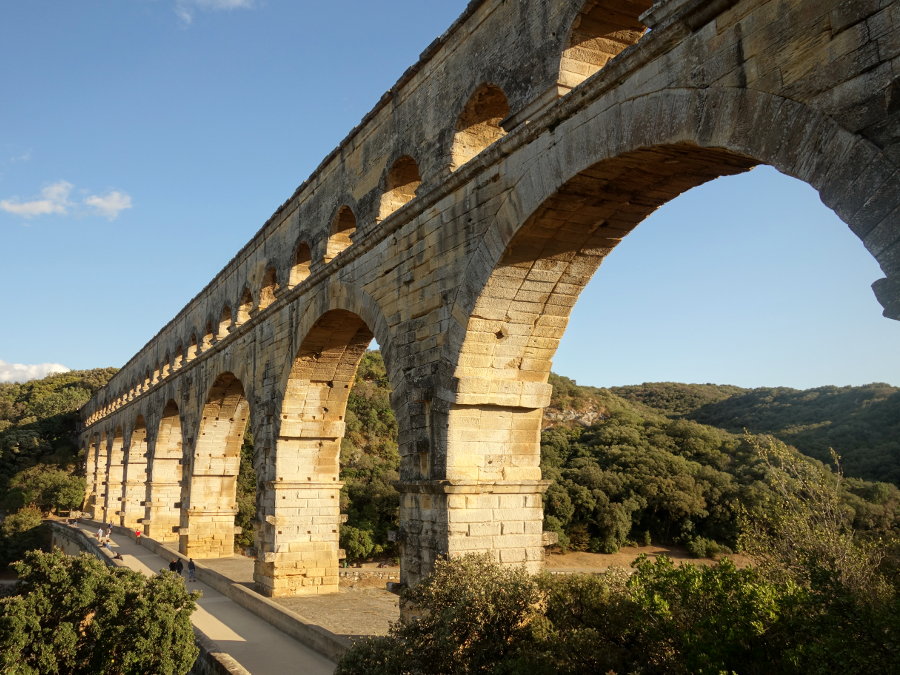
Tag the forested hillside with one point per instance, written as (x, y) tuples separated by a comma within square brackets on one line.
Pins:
[(862, 424), (38, 420)]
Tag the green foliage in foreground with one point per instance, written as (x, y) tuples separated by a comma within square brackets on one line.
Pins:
[(20, 532), (820, 601), (76, 615)]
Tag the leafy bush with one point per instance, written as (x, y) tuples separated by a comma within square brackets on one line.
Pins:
[(76, 615), (46, 487), (20, 532)]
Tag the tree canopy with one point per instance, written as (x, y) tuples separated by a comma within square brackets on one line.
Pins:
[(76, 615)]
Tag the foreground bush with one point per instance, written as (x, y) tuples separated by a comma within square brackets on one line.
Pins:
[(821, 600), (76, 615)]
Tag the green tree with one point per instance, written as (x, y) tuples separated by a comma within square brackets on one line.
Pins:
[(20, 532), (46, 487), (76, 615)]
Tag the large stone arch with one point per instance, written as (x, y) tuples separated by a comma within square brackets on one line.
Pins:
[(852, 175), (210, 491), (162, 509), (134, 486), (298, 473), (576, 195)]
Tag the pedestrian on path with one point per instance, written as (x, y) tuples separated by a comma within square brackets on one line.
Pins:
[(99, 534), (179, 567), (173, 566), (192, 570)]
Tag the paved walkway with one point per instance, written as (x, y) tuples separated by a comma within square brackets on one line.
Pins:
[(255, 644), (357, 610)]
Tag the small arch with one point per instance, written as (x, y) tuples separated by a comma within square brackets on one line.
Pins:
[(600, 31), (155, 374), (269, 288), (401, 184), (207, 337), (302, 261), (245, 307), (166, 366), (342, 228), (478, 125), (225, 322), (192, 348), (179, 357)]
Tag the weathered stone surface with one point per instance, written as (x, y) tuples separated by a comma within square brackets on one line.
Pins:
[(458, 225)]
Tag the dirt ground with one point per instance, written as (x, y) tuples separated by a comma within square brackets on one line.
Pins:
[(597, 562), (575, 562)]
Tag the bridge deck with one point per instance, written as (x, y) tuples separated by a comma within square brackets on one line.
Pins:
[(255, 644)]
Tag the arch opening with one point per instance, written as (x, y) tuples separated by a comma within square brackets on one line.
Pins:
[(303, 489), (207, 523), (164, 478), (401, 184), (192, 349), (600, 31), (342, 229), (506, 347), (245, 307), (208, 337), (225, 323), (478, 125), (302, 262), (268, 289)]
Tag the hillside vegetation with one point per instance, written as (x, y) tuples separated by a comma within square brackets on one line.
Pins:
[(630, 464), (861, 423)]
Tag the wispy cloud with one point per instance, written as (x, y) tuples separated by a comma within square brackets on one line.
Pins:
[(110, 204), (185, 9), (20, 372), (55, 199)]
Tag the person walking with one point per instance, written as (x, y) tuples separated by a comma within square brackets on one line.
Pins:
[(173, 566), (179, 566), (192, 570)]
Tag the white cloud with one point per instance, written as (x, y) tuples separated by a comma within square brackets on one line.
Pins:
[(20, 372), (185, 9), (109, 205), (54, 199)]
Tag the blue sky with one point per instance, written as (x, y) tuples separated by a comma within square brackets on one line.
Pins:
[(143, 142)]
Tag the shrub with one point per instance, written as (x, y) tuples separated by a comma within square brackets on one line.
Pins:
[(75, 615)]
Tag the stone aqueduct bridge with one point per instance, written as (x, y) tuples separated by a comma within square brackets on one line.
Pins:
[(457, 224)]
